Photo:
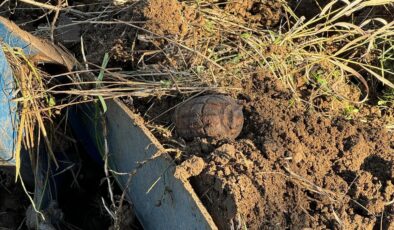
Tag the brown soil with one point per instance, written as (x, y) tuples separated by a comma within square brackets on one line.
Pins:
[(297, 169), (265, 12), (292, 167), (173, 21), (146, 44)]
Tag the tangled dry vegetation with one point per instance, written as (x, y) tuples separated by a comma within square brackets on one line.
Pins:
[(333, 57), (205, 47), (334, 63)]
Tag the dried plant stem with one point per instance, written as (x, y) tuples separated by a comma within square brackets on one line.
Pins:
[(42, 5)]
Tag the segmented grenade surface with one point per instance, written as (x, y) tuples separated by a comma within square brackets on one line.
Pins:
[(211, 116)]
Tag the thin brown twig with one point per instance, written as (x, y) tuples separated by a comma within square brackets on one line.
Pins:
[(53, 8), (41, 5), (53, 24)]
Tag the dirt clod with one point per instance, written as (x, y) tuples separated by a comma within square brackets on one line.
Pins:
[(190, 167), (266, 12), (233, 198), (166, 17)]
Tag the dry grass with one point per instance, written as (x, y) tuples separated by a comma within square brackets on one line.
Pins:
[(31, 87), (327, 51), (339, 56)]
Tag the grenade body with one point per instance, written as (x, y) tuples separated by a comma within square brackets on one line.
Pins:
[(211, 116)]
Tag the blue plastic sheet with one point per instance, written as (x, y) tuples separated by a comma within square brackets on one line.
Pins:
[(8, 108), (8, 111)]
